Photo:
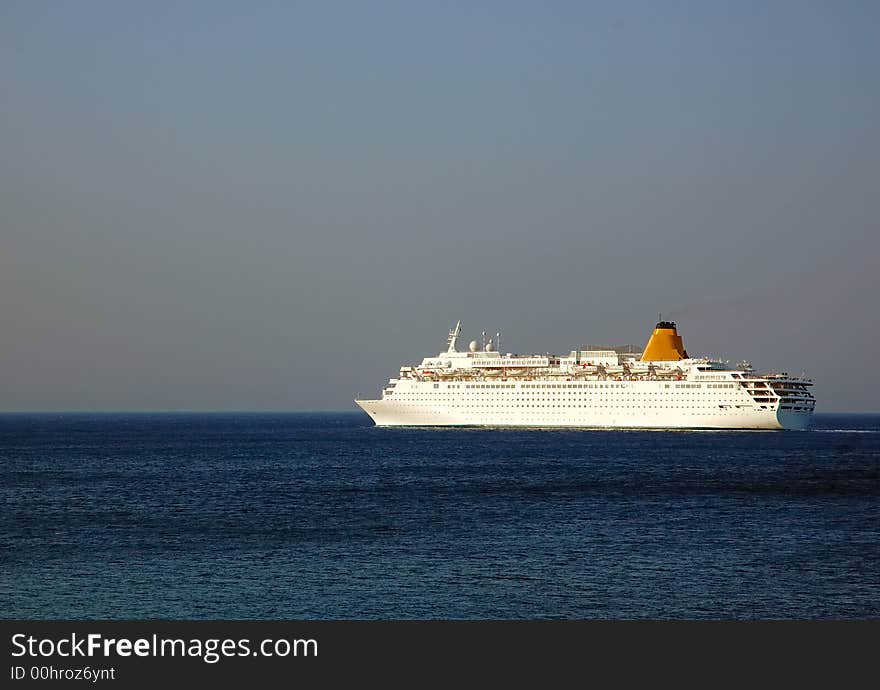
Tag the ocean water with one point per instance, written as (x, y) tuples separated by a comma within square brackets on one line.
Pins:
[(324, 516)]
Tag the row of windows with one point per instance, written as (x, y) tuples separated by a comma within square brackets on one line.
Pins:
[(504, 395), (754, 384), (495, 386), (618, 407), (559, 395)]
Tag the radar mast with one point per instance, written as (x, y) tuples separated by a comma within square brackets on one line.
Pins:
[(453, 336)]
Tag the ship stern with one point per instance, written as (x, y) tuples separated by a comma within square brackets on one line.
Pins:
[(795, 420)]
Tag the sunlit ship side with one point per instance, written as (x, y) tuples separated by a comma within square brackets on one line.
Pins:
[(660, 388)]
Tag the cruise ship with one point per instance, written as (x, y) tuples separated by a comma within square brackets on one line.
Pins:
[(660, 388)]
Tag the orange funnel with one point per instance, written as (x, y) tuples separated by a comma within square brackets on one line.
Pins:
[(664, 344)]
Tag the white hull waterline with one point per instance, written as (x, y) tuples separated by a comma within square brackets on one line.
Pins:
[(662, 388)]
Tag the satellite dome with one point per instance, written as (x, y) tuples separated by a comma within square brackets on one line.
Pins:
[(474, 346), (490, 347)]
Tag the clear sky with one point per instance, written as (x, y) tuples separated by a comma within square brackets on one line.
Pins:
[(273, 205)]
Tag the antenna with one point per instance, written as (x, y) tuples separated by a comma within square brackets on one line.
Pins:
[(498, 340), (453, 336)]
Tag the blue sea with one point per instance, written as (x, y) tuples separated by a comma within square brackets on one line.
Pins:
[(324, 516)]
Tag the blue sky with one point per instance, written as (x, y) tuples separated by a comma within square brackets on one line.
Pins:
[(273, 205)]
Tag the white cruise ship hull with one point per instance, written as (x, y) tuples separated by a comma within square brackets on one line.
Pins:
[(591, 388), (391, 414)]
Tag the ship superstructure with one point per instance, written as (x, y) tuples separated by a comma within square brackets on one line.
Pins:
[(661, 387)]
